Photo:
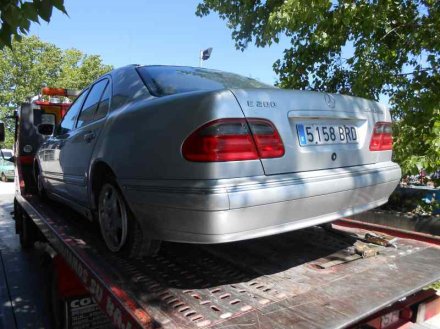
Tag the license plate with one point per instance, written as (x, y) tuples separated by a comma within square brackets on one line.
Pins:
[(321, 134), (389, 319)]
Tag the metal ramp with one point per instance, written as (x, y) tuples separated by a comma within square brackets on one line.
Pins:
[(273, 282)]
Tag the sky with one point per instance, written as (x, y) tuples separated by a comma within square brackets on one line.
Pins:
[(154, 32)]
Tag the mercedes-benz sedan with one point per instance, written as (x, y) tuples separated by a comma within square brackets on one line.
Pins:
[(202, 156)]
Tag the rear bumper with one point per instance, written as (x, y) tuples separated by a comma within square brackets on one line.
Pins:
[(238, 209)]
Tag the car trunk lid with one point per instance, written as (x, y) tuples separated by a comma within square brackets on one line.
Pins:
[(319, 130)]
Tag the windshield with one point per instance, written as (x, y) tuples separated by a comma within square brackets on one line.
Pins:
[(169, 80)]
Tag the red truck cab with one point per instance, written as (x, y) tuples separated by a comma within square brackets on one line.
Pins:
[(47, 109)]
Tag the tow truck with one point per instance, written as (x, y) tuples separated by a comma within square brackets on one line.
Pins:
[(345, 275)]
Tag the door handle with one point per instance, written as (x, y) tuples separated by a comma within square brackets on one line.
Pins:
[(89, 137)]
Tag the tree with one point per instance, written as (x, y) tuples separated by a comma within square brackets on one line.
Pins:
[(32, 63), (16, 16), (363, 48)]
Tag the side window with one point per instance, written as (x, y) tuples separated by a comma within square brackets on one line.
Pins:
[(69, 120), (91, 103), (104, 104)]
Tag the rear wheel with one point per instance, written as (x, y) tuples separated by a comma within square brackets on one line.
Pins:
[(120, 230), (113, 217)]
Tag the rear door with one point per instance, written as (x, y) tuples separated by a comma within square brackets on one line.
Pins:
[(319, 131), (78, 149)]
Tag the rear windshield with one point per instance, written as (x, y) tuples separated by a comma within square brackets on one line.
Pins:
[(169, 80)]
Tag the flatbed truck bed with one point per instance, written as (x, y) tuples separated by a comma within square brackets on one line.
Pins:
[(273, 282)]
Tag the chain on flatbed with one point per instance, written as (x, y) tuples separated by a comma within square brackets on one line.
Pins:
[(274, 282)]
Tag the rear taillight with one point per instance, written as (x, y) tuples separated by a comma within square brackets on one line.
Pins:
[(382, 138), (233, 140), (267, 139)]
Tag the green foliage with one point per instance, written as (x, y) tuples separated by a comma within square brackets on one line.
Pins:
[(427, 208), (16, 17), (31, 63), (363, 48), (435, 285)]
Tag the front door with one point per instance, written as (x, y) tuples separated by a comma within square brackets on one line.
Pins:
[(51, 150), (76, 154)]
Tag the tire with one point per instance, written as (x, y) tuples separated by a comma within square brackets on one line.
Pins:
[(55, 304), (28, 233), (18, 214), (40, 186), (121, 232), (4, 178)]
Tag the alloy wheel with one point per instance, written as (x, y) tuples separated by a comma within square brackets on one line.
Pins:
[(113, 217)]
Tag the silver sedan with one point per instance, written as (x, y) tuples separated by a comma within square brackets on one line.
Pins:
[(202, 156)]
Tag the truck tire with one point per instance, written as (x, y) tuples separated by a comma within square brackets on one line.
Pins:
[(119, 228), (18, 213), (57, 316), (28, 233)]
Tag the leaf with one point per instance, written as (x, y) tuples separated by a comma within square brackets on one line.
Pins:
[(44, 9), (59, 4), (12, 16), (24, 28), (16, 16), (6, 35), (30, 11)]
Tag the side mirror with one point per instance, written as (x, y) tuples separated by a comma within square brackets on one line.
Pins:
[(11, 159), (45, 129), (2, 132)]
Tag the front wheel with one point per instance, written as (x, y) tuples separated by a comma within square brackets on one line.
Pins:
[(40, 186), (120, 230)]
